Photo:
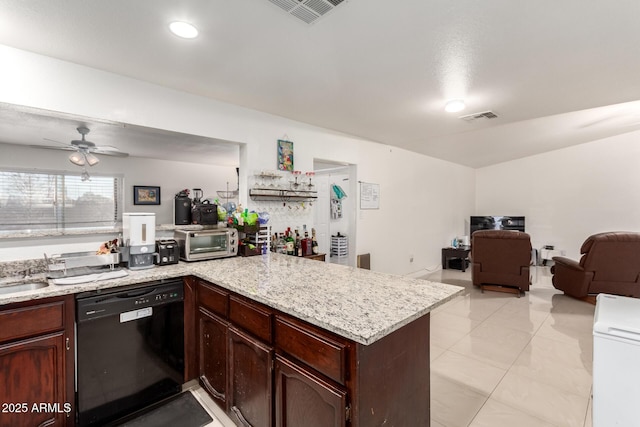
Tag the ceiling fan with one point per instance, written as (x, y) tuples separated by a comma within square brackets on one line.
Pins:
[(84, 151)]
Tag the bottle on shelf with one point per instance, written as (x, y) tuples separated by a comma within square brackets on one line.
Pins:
[(298, 244), (314, 242), (306, 243), (290, 242)]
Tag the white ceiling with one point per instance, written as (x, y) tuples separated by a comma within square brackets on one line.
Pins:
[(555, 73), (36, 127)]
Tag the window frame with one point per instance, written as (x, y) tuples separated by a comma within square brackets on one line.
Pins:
[(60, 223)]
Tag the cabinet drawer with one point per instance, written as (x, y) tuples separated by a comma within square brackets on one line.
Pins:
[(251, 317), (318, 351), (31, 320), (213, 299)]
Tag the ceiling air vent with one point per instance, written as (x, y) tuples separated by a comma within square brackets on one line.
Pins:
[(308, 11), (477, 116)]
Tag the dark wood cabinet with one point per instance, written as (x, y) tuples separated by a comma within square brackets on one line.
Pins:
[(285, 372), (316, 349), (250, 380), (37, 363), (306, 399), (235, 355), (213, 355)]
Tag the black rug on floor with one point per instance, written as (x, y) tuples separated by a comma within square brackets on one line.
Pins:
[(182, 410)]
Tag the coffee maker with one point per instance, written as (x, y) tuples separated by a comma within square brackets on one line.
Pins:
[(139, 238)]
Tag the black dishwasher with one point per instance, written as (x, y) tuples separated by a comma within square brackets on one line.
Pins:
[(130, 349)]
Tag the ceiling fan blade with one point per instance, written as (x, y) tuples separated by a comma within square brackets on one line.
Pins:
[(57, 142), (110, 153), (51, 147), (107, 148)]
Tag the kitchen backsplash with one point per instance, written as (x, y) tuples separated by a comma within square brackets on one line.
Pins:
[(14, 268)]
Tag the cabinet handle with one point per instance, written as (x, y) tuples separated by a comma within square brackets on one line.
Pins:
[(241, 417), (68, 345)]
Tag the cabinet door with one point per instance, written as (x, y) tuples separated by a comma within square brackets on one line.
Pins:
[(32, 372), (304, 399), (250, 380), (212, 333)]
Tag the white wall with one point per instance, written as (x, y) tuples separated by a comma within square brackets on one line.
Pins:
[(569, 194), (424, 201)]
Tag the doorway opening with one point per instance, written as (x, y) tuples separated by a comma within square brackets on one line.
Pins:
[(335, 213)]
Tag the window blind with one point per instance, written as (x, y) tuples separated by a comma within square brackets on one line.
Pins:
[(57, 201)]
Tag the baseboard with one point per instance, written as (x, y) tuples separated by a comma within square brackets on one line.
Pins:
[(423, 272)]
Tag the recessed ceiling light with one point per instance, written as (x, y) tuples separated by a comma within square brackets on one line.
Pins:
[(454, 106), (183, 29)]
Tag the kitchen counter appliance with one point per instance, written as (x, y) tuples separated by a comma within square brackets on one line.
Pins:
[(168, 252), (207, 244), (139, 234), (130, 349)]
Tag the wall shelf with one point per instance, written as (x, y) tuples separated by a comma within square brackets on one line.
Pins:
[(283, 195)]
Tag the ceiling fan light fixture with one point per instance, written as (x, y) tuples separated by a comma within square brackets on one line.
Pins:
[(454, 106), (77, 158), (91, 159), (183, 29)]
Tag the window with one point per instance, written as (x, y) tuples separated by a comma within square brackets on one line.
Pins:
[(42, 200)]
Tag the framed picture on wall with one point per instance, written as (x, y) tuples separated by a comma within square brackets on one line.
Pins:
[(146, 195), (285, 155)]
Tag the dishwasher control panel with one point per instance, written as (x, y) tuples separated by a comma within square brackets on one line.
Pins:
[(130, 303)]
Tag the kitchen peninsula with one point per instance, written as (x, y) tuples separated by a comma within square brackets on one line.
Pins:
[(342, 345)]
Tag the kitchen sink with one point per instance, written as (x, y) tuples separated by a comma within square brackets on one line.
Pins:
[(22, 287)]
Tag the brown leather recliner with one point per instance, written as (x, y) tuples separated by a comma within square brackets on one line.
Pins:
[(610, 263), (500, 260)]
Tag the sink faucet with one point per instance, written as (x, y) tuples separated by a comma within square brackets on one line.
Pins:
[(26, 273), (55, 264)]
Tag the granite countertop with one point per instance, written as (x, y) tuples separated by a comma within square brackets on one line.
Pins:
[(360, 305)]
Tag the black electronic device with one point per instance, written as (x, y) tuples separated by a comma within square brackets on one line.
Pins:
[(204, 213), (182, 210), (514, 223), (168, 252)]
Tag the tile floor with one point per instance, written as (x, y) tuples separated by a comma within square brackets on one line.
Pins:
[(498, 360), (502, 361)]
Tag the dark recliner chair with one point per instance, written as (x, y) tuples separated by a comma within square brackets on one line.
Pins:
[(500, 260), (610, 263)]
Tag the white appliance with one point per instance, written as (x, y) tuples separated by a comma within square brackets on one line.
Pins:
[(616, 366), (139, 235), (139, 229)]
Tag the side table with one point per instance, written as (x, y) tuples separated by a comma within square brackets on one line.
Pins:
[(317, 257), (548, 254), (461, 252)]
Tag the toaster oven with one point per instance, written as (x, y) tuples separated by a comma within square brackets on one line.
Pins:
[(207, 244)]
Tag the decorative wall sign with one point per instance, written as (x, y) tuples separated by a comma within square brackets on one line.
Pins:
[(146, 195), (285, 155), (369, 195)]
